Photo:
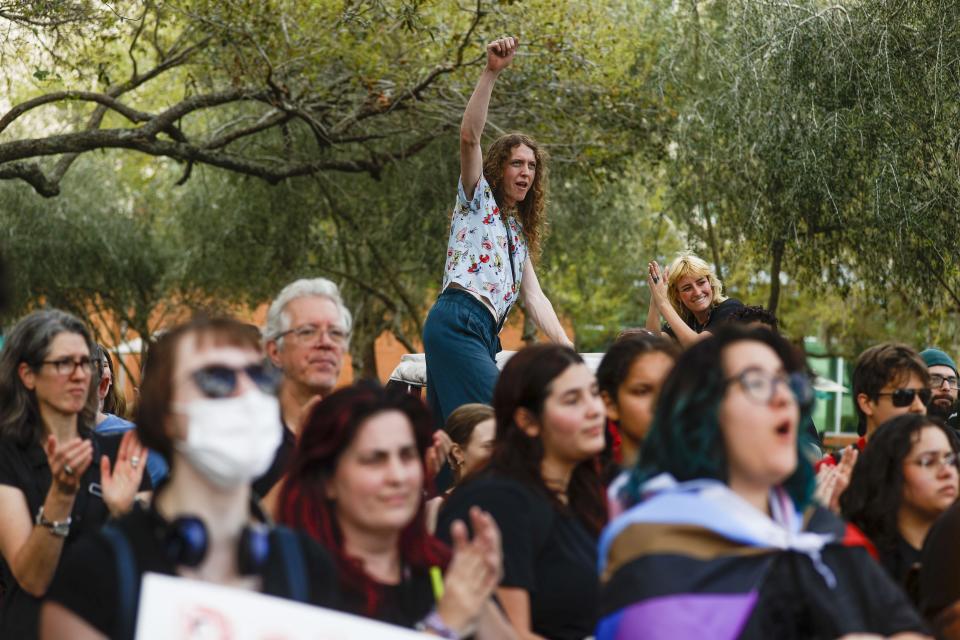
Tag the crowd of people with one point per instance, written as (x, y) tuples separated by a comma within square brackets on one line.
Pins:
[(679, 491)]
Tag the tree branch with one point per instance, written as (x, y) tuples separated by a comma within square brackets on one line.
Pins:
[(374, 107), (88, 96), (74, 14), (265, 122), (30, 173), (168, 61), (136, 140), (187, 106)]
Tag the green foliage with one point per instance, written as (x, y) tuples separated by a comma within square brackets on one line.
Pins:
[(93, 254), (809, 150)]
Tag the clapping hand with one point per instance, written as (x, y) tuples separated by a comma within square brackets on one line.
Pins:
[(833, 481), (657, 281), (120, 485), (438, 453), (475, 571), (68, 462), (500, 53)]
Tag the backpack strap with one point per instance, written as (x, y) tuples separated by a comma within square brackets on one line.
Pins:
[(128, 587), (291, 554)]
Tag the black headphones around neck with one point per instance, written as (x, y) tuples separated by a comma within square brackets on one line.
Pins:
[(185, 542)]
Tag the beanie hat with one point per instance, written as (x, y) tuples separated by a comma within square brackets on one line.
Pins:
[(933, 357)]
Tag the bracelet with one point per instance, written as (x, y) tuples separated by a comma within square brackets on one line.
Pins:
[(59, 528), (435, 624)]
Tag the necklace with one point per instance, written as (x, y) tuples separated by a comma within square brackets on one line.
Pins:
[(698, 326)]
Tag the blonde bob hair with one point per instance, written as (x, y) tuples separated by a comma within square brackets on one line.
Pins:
[(687, 264)]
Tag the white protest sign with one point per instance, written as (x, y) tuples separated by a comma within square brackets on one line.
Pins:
[(181, 609)]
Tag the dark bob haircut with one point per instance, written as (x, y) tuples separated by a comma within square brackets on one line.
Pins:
[(685, 439), (156, 388), (872, 500), (330, 428)]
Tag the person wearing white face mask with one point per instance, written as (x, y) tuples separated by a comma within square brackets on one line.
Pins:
[(207, 403)]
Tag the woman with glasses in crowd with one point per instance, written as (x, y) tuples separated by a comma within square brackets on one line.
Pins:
[(208, 403), (356, 484), (543, 488), (724, 539), (902, 483), (58, 480), (689, 297)]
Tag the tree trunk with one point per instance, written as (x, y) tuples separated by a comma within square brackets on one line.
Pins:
[(776, 262), (368, 369), (714, 243), (529, 334)]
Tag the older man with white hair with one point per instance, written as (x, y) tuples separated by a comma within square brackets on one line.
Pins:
[(307, 335)]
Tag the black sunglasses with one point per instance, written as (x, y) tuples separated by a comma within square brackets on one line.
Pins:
[(904, 397), (219, 381)]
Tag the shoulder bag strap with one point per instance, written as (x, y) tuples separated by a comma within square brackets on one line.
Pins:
[(291, 554), (128, 587)]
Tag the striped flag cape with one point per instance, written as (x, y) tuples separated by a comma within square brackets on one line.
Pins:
[(687, 562)]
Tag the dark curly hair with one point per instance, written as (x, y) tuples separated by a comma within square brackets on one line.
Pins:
[(532, 209), (872, 500), (526, 382), (751, 313), (685, 439)]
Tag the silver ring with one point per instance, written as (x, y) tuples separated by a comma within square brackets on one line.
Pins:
[(134, 461), (656, 279), (67, 469)]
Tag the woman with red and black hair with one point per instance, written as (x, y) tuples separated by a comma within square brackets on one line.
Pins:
[(356, 485)]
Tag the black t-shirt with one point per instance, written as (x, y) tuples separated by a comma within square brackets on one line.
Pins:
[(26, 468), (939, 575), (903, 565), (278, 468), (86, 582), (721, 313), (547, 551), (403, 604), (795, 603)]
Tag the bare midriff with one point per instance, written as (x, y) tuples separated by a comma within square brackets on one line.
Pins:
[(486, 303)]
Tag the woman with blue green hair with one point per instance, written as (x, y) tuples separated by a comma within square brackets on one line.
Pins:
[(724, 537)]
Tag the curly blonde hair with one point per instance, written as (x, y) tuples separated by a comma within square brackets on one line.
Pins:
[(688, 264), (532, 209)]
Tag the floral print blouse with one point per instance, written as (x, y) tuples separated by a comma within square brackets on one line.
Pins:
[(477, 254)]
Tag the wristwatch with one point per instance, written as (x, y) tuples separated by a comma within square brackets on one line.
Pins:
[(59, 528)]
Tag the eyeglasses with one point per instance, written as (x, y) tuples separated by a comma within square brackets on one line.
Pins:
[(310, 333), (68, 366), (904, 397), (761, 386), (937, 462), (220, 381), (936, 381)]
